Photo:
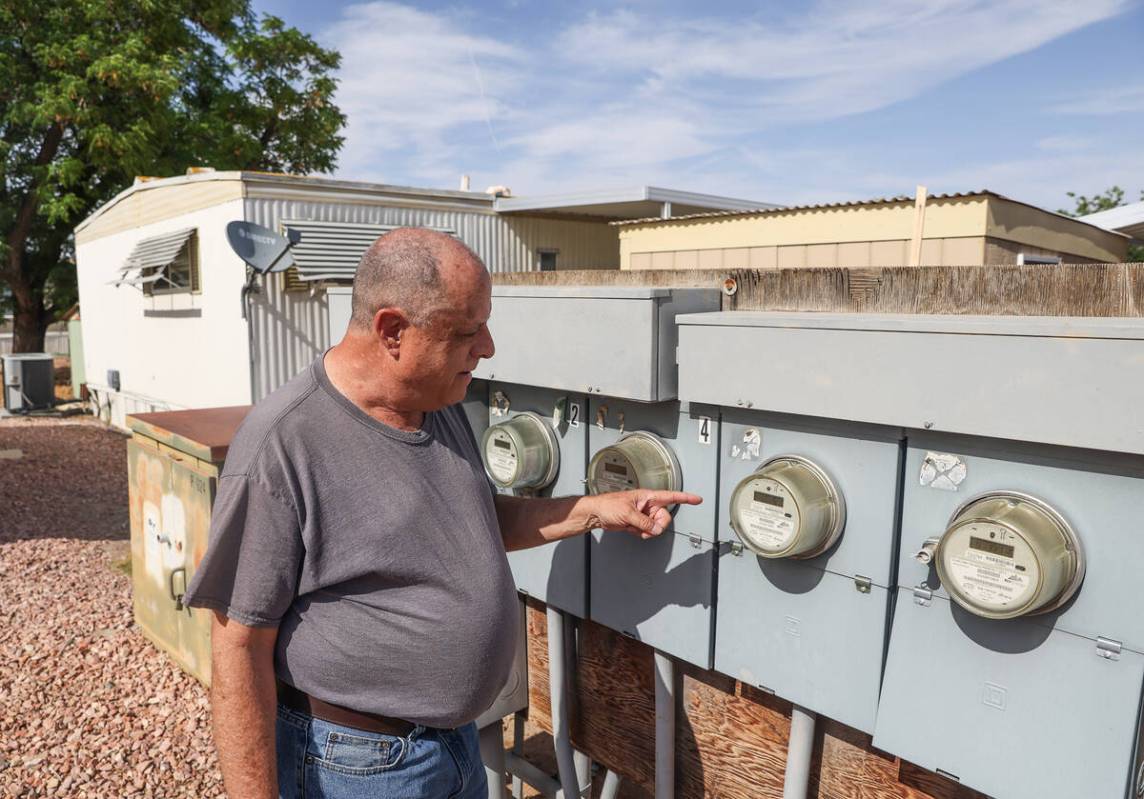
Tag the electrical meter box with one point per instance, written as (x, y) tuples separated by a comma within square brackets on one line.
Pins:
[(173, 462), (803, 602), (339, 307), (535, 444), (1015, 663), (658, 590), (609, 340), (476, 406)]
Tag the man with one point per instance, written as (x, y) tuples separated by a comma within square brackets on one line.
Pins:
[(365, 613)]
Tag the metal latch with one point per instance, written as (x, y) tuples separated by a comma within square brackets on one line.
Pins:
[(695, 540), (736, 548), (1107, 648), (863, 584), (922, 596), (925, 555)]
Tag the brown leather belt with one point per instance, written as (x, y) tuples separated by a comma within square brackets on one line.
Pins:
[(301, 701)]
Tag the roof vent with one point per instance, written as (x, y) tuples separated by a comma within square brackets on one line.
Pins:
[(199, 170), (464, 182), (499, 191)]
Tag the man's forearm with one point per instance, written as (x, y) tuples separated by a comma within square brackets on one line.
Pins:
[(527, 522), (243, 711)]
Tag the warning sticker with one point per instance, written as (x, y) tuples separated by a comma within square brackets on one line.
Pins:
[(991, 580), (767, 525)]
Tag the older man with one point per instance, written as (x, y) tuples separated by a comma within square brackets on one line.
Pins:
[(365, 613)]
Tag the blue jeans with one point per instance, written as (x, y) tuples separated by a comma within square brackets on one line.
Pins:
[(320, 760)]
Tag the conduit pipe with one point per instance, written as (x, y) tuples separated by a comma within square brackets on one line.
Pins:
[(492, 755), (611, 785), (558, 697), (799, 748), (664, 727)]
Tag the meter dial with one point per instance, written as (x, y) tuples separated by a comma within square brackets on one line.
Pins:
[(1006, 554), (787, 508), (521, 453), (637, 460)]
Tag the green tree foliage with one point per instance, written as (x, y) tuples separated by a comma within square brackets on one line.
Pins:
[(94, 92), (1109, 198)]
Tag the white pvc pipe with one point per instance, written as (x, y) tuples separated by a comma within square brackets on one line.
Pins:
[(611, 785), (799, 749), (664, 727), (557, 683), (492, 754)]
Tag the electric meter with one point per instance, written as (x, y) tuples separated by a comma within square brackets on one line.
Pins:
[(1006, 554), (787, 508), (521, 453), (637, 460)]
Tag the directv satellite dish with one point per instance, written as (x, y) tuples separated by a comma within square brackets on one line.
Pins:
[(262, 248)]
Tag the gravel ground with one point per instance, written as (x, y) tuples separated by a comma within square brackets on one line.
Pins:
[(89, 708)]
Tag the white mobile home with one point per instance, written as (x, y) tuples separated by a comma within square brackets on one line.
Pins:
[(166, 321)]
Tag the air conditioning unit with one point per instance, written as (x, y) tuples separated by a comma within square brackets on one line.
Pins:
[(29, 382)]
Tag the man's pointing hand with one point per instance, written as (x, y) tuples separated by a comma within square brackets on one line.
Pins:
[(643, 513)]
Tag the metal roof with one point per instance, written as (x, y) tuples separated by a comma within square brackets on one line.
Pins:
[(1126, 219), (625, 203)]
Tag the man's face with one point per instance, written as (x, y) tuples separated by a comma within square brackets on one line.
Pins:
[(438, 358)]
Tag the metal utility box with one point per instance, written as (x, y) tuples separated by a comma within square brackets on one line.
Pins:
[(812, 630), (1041, 705), (608, 340), (476, 405), (173, 462), (1043, 379), (661, 590), (29, 382), (338, 311), (557, 573)]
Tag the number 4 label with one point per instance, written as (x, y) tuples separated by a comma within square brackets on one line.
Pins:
[(704, 429)]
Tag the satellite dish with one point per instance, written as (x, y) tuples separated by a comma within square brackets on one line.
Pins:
[(262, 248)]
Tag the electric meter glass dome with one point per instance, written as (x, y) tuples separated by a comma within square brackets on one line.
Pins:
[(521, 453), (638, 460), (1007, 554), (788, 508)]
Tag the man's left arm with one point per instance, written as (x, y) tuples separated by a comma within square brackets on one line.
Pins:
[(529, 522)]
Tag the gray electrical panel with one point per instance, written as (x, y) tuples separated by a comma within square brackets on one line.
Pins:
[(659, 590), (1043, 705), (609, 340), (811, 629), (556, 573)]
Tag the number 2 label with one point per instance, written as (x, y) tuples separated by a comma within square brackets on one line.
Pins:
[(704, 429), (574, 414)]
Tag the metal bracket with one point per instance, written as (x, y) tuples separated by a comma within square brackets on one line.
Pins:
[(736, 549), (1108, 648), (922, 596), (695, 540), (863, 584)]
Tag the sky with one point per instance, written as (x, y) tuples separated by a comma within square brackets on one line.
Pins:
[(775, 102)]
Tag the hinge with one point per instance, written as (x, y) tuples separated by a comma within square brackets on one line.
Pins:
[(736, 548), (863, 584), (695, 540), (922, 596), (1107, 648)]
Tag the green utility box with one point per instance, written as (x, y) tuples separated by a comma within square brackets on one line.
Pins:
[(173, 463)]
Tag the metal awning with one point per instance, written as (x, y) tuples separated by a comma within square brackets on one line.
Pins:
[(332, 250), (155, 253)]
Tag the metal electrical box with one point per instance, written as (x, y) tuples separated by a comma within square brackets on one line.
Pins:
[(610, 340), (1041, 704), (659, 590), (810, 627), (339, 308), (29, 381), (555, 573), (173, 462)]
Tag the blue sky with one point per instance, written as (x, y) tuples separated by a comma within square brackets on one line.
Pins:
[(776, 102)]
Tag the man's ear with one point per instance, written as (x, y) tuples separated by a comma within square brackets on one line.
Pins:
[(389, 325)]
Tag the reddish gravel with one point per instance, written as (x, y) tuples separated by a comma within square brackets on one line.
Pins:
[(88, 707)]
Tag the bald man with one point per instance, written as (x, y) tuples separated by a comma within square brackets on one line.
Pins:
[(365, 614)]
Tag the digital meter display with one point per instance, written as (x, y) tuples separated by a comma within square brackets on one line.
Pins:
[(615, 469), (769, 499), (1004, 550), (521, 453), (497, 442)]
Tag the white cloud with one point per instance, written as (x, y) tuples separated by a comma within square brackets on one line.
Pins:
[(635, 96), (1103, 102)]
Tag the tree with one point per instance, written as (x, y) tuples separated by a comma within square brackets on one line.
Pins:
[(94, 92), (1109, 198)]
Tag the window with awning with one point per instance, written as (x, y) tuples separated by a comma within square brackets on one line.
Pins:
[(330, 251), (162, 264)]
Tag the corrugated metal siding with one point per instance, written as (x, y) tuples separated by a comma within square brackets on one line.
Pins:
[(289, 328)]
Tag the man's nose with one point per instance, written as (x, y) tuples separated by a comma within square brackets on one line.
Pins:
[(485, 347)]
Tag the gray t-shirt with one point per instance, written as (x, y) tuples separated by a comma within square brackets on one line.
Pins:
[(376, 551)]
